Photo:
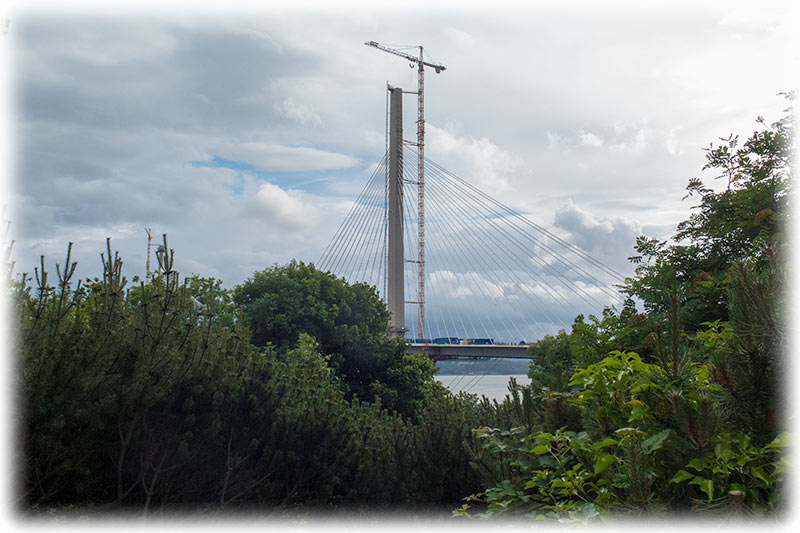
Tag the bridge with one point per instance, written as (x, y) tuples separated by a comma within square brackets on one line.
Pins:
[(479, 276)]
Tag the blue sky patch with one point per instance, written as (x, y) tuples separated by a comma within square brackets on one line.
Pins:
[(312, 181)]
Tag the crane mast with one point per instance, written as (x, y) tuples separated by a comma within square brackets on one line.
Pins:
[(421, 64), (149, 239)]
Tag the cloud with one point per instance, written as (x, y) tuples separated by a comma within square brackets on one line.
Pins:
[(590, 139), (283, 209), (624, 137), (555, 141), (266, 156), (298, 112), (489, 166), (673, 146), (457, 285), (459, 37), (110, 108), (635, 144), (610, 238), (630, 138), (100, 42)]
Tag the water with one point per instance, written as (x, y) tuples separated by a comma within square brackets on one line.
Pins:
[(491, 386)]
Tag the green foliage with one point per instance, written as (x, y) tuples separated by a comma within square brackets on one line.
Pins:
[(737, 472), (611, 391), (694, 423), (350, 323), (282, 302), (112, 383), (737, 222), (752, 370), (567, 476), (551, 362), (152, 397), (741, 222)]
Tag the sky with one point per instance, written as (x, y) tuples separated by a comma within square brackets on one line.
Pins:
[(246, 133)]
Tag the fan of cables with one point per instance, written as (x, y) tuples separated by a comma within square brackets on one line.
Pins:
[(490, 272)]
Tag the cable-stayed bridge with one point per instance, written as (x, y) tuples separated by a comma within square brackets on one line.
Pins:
[(468, 276)]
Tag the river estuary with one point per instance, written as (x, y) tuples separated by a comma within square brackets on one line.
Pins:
[(491, 386)]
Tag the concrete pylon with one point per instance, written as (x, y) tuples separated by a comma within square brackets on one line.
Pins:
[(395, 292)]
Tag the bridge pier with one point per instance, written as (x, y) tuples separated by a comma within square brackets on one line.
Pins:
[(395, 291)]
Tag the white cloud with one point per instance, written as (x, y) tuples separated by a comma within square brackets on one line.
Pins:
[(489, 165), (630, 138), (750, 20), (301, 113), (590, 139), (458, 285), (266, 156), (555, 141), (672, 141), (459, 37), (283, 209), (638, 143)]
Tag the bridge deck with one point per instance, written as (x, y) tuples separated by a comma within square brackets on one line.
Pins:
[(439, 352)]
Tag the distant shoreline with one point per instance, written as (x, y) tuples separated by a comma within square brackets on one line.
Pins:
[(492, 367)]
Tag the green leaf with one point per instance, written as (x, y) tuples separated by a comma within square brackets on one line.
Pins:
[(627, 432), (583, 514), (761, 474), (530, 484), (604, 443), (603, 462), (680, 476), (697, 464), (655, 442), (638, 411), (540, 449), (781, 441), (781, 466), (706, 485), (579, 443)]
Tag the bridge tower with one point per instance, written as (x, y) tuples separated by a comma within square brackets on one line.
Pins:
[(421, 64), (395, 291)]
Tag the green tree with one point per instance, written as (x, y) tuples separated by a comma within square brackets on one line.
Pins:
[(551, 363), (695, 422), (350, 323), (740, 222)]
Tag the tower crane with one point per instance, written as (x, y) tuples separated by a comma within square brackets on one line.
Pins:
[(149, 238), (421, 64)]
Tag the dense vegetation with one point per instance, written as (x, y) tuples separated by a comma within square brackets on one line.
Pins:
[(680, 407), (350, 323), (153, 397), (286, 391)]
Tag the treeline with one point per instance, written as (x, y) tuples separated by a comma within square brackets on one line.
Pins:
[(679, 407), (160, 396)]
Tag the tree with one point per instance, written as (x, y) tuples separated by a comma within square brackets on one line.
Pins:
[(741, 222), (695, 423), (551, 363), (350, 323)]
